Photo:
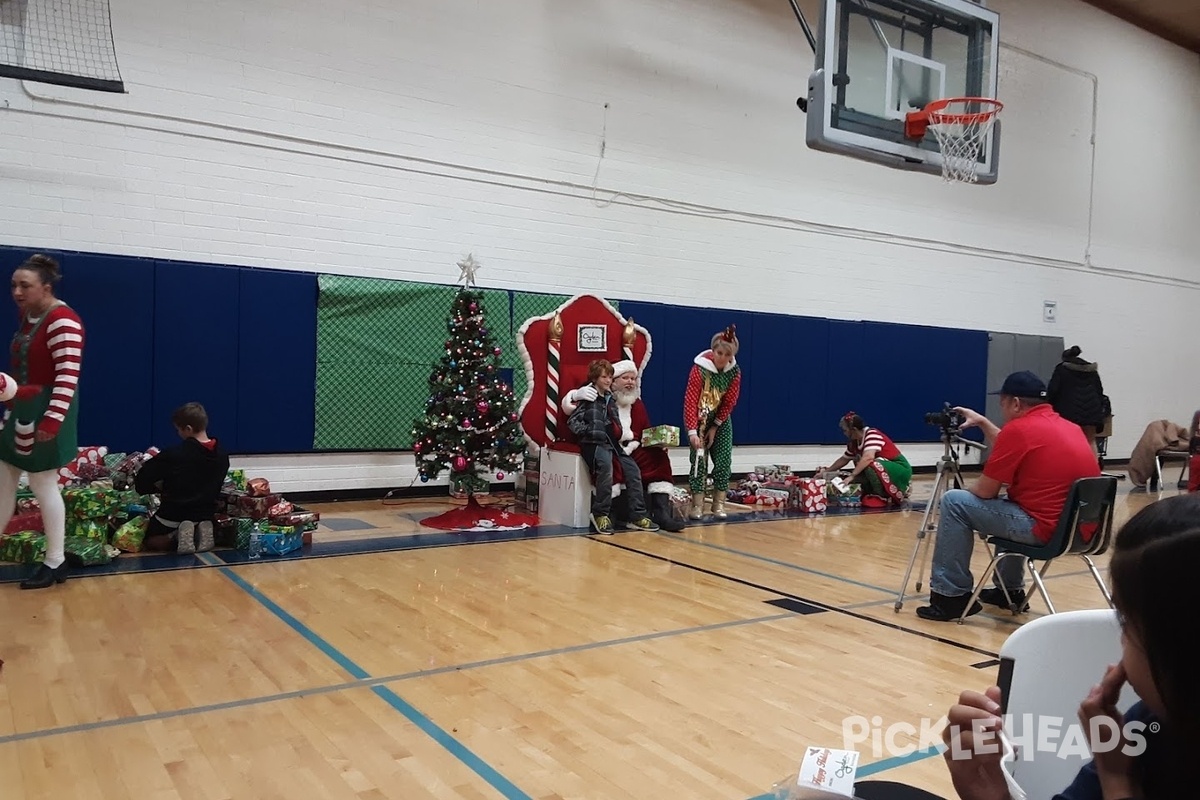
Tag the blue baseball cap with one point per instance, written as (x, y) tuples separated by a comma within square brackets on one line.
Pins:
[(1022, 384)]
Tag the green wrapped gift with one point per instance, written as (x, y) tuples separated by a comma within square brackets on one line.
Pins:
[(661, 436), (90, 502), (94, 529), (275, 531), (26, 547), (130, 536), (236, 478), (85, 552)]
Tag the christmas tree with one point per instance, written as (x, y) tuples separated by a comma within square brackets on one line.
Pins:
[(470, 424)]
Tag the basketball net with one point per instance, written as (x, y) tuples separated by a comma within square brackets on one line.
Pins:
[(961, 125)]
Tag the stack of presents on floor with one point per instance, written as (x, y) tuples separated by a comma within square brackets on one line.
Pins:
[(107, 517), (776, 486)]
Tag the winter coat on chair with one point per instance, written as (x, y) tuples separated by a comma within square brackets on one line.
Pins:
[(1075, 391)]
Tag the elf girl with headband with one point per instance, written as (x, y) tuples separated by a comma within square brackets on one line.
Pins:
[(712, 392), (883, 470)]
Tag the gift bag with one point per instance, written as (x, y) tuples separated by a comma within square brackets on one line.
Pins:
[(130, 536)]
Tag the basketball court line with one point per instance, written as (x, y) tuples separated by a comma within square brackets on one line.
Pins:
[(826, 606)]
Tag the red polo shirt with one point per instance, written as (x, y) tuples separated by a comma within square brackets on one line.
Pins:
[(1039, 456)]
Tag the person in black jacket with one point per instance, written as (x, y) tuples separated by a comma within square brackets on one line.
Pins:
[(188, 477), (596, 422), (1077, 394)]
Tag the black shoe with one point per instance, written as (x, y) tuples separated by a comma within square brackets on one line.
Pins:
[(44, 577), (662, 513), (995, 597), (946, 609)]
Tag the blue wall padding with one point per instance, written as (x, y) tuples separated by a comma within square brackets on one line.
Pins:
[(242, 341), (196, 348), (277, 368)]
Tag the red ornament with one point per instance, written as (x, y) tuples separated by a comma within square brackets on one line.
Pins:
[(481, 406), (496, 351), (460, 464), (499, 476)]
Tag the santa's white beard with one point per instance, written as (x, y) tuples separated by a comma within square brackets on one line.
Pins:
[(626, 399)]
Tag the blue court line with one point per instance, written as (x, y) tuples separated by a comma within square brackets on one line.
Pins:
[(456, 748), (777, 562), (374, 682), (882, 766)]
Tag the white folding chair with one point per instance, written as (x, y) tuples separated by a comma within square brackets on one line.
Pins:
[(1047, 668)]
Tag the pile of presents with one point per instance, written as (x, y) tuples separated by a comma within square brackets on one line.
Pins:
[(776, 486), (106, 516)]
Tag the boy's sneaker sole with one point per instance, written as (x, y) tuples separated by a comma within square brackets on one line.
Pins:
[(187, 538), (204, 537)]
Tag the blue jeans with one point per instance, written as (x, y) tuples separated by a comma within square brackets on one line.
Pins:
[(599, 459), (963, 516)]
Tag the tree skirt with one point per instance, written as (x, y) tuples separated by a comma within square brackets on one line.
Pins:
[(474, 517)]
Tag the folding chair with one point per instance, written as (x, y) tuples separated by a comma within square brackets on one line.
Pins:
[(1089, 503), (1047, 668)]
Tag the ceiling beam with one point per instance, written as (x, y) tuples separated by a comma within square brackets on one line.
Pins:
[(1187, 37)]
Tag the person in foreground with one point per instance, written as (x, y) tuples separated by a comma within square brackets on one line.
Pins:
[(1038, 455), (1152, 578)]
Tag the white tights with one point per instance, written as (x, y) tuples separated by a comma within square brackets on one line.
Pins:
[(54, 513)]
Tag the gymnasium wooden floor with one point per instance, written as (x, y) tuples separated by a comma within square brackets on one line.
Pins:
[(652, 666)]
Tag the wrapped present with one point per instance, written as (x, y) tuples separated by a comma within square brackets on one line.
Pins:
[(27, 502), (661, 436), (773, 498), (90, 503), (111, 460), (125, 470), (306, 537), (280, 508), (25, 547), (297, 518), (812, 496), (243, 505), (258, 487), (236, 478), (94, 529), (268, 531), (92, 472), (86, 552), (86, 456), (130, 536), (25, 521)]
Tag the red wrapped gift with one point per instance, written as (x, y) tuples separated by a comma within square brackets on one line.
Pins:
[(25, 521), (245, 506), (296, 518), (258, 487), (280, 508), (812, 496)]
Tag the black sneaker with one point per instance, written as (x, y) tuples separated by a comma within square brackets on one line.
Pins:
[(947, 609)]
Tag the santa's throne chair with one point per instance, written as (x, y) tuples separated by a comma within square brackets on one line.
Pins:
[(556, 349)]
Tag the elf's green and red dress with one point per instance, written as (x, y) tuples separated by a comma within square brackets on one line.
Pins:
[(46, 356), (889, 475)]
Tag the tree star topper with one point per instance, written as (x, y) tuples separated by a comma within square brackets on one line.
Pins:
[(469, 267)]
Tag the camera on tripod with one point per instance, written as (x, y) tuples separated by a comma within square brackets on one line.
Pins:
[(949, 420)]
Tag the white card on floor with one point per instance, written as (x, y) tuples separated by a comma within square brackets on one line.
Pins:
[(832, 770)]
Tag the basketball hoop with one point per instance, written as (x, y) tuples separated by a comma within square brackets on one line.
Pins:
[(960, 125)]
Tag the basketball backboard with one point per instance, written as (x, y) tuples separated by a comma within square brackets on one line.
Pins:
[(877, 60)]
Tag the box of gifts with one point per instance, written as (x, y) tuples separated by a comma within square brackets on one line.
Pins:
[(25, 547), (661, 436)]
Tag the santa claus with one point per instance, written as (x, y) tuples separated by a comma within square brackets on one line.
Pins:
[(655, 464)]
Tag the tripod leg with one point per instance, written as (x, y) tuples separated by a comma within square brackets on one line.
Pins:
[(921, 546)]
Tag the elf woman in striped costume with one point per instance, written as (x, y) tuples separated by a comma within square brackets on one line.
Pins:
[(38, 425), (712, 392), (879, 465)]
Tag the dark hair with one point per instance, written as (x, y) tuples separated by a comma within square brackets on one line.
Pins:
[(1071, 352), (597, 368), (853, 421), (1153, 581), (190, 415), (45, 267)]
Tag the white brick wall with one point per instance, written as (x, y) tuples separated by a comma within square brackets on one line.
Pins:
[(389, 139)]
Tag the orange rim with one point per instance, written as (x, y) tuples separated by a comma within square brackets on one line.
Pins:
[(933, 111)]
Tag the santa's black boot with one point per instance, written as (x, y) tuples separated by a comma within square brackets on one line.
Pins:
[(661, 513)]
